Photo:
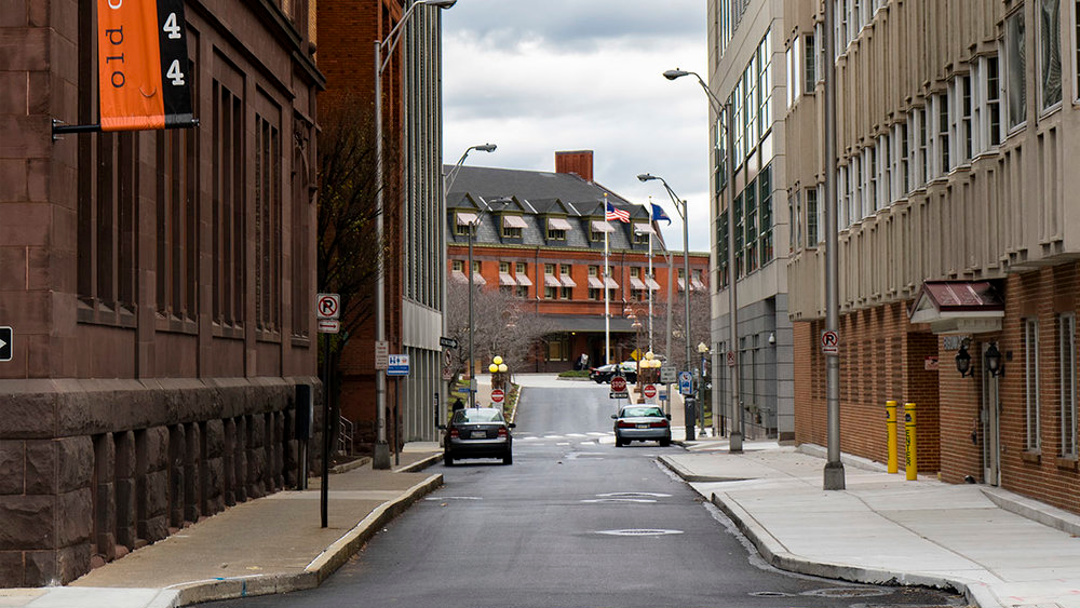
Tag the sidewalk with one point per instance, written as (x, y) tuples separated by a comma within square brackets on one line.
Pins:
[(982, 541), (269, 545)]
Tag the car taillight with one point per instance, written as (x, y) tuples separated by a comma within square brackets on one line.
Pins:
[(659, 425), (454, 433), (622, 424), (502, 431)]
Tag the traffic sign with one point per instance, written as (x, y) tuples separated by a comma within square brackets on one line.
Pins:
[(830, 342), (328, 305), (7, 340), (398, 365), (447, 358), (329, 326), (649, 391), (497, 395), (618, 384), (382, 355), (448, 342), (667, 374), (731, 358), (686, 383)]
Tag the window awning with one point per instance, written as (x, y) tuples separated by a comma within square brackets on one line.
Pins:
[(643, 228), (567, 281), (465, 219), (477, 279), (653, 285), (551, 281), (959, 307), (600, 226), (636, 283), (506, 279), (513, 221), (559, 223), (524, 280), (595, 283), (611, 283), (682, 284), (697, 285), (458, 277)]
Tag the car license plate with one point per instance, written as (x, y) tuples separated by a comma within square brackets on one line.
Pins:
[(479, 435), (642, 426)]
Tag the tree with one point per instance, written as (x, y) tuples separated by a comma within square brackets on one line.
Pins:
[(700, 325), (504, 326)]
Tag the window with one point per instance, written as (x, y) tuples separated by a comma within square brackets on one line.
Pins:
[(230, 219), (504, 267), (813, 218), (513, 232), (924, 144), (555, 234), (722, 268), (550, 292), (1067, 369), (1032, 437), (267, 201), (872, 176), (886, 169), (750, 227), (810, 63), (462, 229), (1015, 84), (794, 210), (993, 100), (458, 266), (965, 143), (794, 72), (476, 266), (765, 238), (905, 158), (1049, 45), (857, 183), (566, 293), (564, 270), (943, 140)]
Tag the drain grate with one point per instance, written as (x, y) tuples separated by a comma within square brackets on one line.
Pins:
[(846, 592)]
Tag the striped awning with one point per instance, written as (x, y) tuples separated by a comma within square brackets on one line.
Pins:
[(551, 281), (595, 283), (506, 279), (559, 223), (513, 221), (653, 285), (601, 226), (466, 219), (643, 228), (523, 279), (636, 283), (567, 281)]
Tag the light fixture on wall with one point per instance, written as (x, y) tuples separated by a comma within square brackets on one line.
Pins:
[(993, 361), (772, 338), (963, 360)]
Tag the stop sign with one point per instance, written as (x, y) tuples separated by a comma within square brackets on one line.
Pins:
[(649, 391), (497, 395), (618, 384)]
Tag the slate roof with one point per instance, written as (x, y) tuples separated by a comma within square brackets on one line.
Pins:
[(538, 196)]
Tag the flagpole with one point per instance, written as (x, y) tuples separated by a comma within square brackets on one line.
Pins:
[(649, 285), (607, 303)]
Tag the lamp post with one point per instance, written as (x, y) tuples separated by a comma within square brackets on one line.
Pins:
[(385, 48), (472, 230), (453, 173), (736, 437), (686, 264), (703, 350)]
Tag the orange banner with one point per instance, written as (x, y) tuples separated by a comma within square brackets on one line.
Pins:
[(129, 65)]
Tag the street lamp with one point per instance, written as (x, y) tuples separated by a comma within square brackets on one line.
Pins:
[(736, 437), (472, 230), (686, 268), (453, 173), (385, 48)]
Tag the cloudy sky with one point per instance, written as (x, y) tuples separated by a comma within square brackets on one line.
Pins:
[(534, 77)]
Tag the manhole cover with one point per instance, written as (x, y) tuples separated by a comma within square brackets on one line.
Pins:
[(640, 532), (848, 592)]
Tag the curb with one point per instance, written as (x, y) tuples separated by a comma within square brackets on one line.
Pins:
[(332, 558), (777, 555), (689, 476)]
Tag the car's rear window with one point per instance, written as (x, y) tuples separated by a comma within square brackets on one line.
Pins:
[(640, 412), (483, 414)]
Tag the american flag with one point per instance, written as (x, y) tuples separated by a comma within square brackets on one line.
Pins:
[(614, 213)]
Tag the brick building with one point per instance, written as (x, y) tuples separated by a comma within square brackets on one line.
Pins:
[(159, 285), (540, 237), (957, 235), (412, 199)]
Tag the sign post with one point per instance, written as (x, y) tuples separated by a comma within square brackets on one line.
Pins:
[(328, 311), (649, 391), (497, 395), (618, 388)]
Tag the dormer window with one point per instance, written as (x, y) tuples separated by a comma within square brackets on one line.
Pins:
[(557, 228), (513, 226), (597, 230), (463, 222)]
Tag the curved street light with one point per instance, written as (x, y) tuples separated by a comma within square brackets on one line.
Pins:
[(724, 109)]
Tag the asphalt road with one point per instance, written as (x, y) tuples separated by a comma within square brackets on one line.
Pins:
[(574, 522)]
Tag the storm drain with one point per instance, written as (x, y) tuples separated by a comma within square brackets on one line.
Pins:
[(770, 594), (848, 592), (640, 532), (634, 495)]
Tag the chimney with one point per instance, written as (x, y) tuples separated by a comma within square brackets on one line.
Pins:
[(576, 162)]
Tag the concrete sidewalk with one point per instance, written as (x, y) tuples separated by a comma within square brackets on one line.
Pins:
[(985, 542), (273, 544)]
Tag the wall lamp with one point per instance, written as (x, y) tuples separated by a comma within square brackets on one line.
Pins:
[(963, 360), (993, 361)]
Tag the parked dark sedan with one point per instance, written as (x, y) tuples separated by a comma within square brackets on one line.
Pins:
[(603, 374), (642, 423), (478, 432)]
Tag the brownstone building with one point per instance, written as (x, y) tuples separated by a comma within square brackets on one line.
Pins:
[(159, 285), (540, 238)]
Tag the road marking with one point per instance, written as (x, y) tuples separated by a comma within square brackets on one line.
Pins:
[(640, 532)]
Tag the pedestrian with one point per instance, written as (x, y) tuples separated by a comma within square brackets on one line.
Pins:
[(458, 404)]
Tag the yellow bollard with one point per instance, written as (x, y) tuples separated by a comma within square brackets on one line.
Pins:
[(909, 435), (890, 427)]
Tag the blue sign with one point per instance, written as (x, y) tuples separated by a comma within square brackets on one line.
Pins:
[(399, 365), (686, 383)]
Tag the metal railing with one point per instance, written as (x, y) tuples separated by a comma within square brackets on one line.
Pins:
[(345, 436)]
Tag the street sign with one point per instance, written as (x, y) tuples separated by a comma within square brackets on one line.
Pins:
[(7, 340), (447, 373), (448, 342), (667, 374), (398, 365), (649, 391), (686, 383), (731, 358), (329, 326), (328, 306), (830, 343), (618, 388), (447, 358), (497, 395), (382, 355)]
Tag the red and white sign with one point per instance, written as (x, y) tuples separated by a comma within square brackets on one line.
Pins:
[(328, 305), (731, 358), (497, 395), (618, 384), (830, 342), (649, 391), (329, 326)]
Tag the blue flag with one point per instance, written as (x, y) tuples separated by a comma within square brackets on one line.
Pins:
[(658, 214)]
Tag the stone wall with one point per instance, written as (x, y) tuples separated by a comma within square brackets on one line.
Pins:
[(91, 470)]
